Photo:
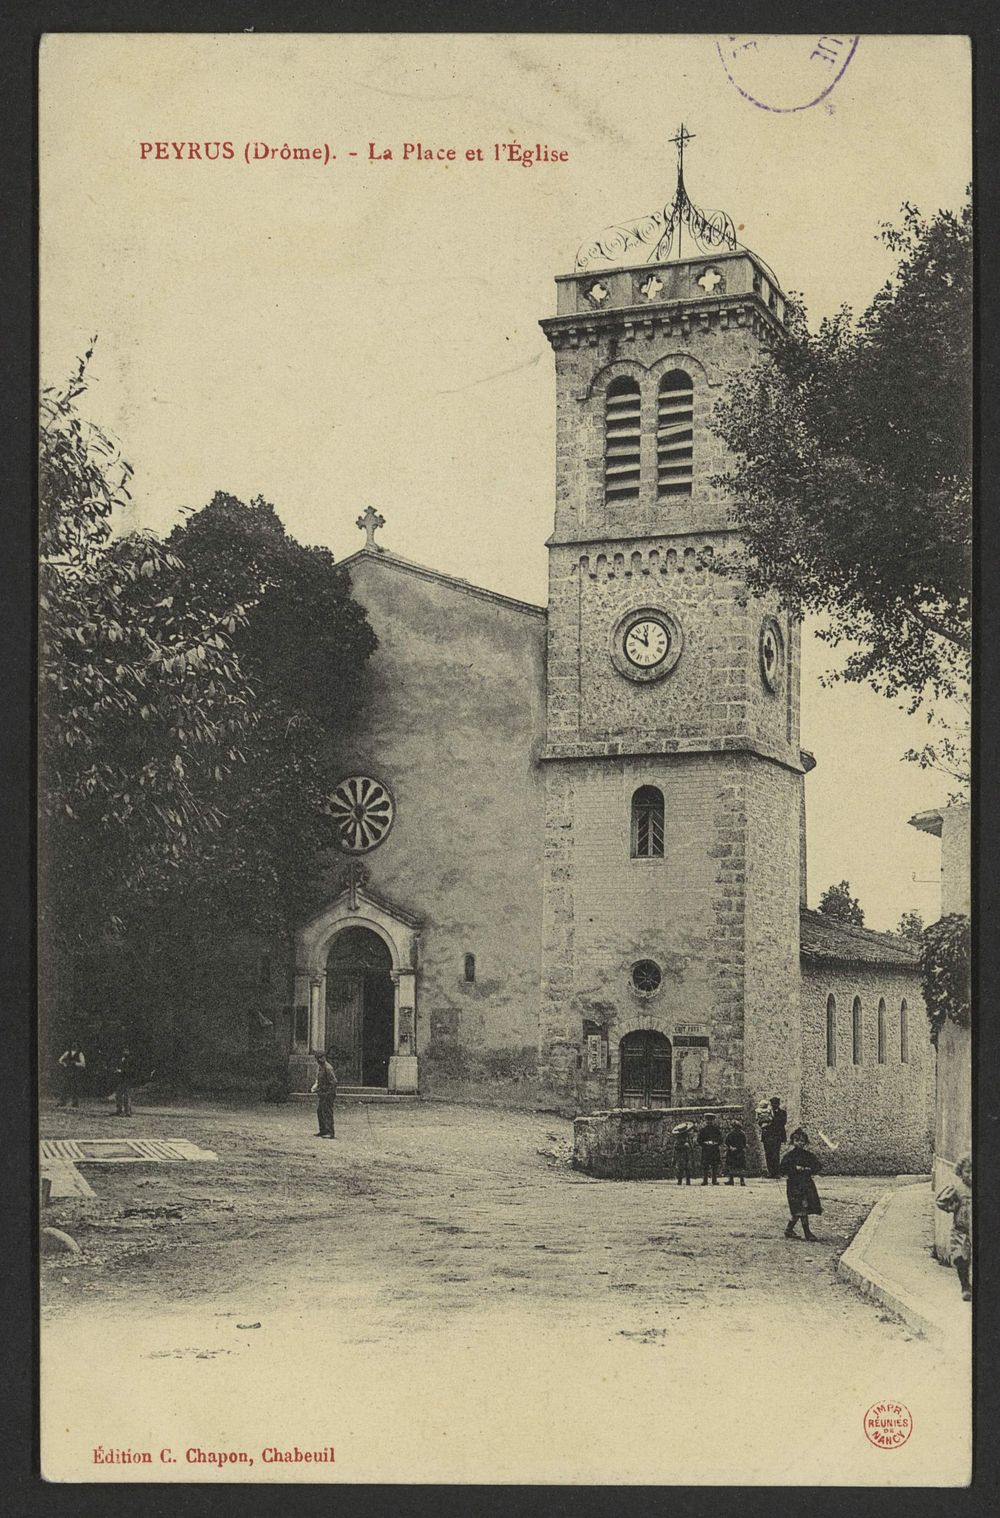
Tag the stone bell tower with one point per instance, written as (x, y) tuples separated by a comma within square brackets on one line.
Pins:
[(673, 770)]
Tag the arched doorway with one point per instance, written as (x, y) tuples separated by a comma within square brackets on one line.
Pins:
[(359, 1007), (644, 1070)]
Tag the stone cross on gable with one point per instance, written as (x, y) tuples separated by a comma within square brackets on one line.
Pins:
[(370, 521), (353, 878)]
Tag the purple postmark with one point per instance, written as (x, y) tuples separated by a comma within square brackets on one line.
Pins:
[(786, 73)]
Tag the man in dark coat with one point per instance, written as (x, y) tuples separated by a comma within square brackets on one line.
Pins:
[(326, 1091), (773, 1134), (799, 1166), (710, 1142), (124, 1081), (73, 1064)]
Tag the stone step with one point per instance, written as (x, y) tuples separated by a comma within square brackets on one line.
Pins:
[(364, 1093)]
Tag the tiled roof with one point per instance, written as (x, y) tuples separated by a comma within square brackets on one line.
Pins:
[(824, 938)]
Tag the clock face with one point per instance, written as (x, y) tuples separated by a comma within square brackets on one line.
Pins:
[(647, 643)]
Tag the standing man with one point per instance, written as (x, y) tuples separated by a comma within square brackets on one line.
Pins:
[(710, 1142), (773, 1134), (326, 1091), (124, 1081), (73, 1065)]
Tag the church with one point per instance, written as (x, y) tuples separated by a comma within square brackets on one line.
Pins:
[(574, 835)]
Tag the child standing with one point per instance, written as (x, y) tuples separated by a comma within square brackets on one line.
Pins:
[(736, 1154), (798, 1167), (683, 1151), (957, 1200), (710, 1142)]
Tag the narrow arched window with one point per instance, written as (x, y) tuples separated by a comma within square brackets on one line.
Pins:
[(470, 968), (621, 440), (675, 434), (831, 1031), (857, 1032), (647, 823), (881, 1030), (904, 1033)]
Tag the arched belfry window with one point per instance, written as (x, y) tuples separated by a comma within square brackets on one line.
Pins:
[(881, 1030), (621, 440), (647, 823), (831, 1031), (857, 1032), (675, 434)]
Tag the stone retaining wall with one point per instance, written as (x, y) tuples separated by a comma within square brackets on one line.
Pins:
[(636, 1143)]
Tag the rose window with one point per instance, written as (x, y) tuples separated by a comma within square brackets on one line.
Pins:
[(363, 810)]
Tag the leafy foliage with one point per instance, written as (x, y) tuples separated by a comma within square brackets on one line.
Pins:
[(851, 482), (303, 645), (837, 902), (911, 926), (946, 966), (192, 694), (143, 703)]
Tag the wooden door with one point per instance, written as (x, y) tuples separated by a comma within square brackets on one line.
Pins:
[(345, 1009), (644, 1070)]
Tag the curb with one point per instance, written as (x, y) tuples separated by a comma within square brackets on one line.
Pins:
[(854, 1268)]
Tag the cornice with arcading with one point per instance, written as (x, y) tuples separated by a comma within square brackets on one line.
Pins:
[(670, 748), (746, 312)]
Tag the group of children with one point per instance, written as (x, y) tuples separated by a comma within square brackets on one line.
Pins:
[(798, 1165), (710, 1141)]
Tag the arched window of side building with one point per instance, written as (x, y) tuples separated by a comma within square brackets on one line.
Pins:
[(622, 426), (831, 1031), (647, 823), (857, 1032), (881, 1030), (904, 1033), (675, 434)]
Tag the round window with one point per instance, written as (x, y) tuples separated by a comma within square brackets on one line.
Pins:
[(646, 976), (363, 810)]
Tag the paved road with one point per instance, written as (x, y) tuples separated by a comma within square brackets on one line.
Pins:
[(440, 1298)]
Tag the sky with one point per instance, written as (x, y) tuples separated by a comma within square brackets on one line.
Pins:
[(347, 330)]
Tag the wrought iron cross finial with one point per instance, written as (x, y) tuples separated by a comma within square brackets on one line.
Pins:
[(659, 231), (370, 521), (683, 136), (680, 197)]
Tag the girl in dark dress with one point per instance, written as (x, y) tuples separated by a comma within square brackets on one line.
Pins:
[(798, 1167), (736, 1154)]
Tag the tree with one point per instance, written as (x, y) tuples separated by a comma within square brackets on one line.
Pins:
[(837, 902), (191, 698), (143, 704), (303, 646), (851, 482), (946, 966), (911, 926)]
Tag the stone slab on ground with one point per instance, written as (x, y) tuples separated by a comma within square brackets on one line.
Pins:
[(65, 1179), (59, 1157), (890, 1260), (119, 1151)]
